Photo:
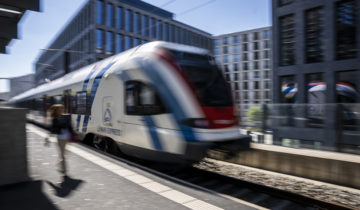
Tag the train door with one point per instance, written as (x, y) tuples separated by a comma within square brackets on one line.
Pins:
[(141, 104), (67, 101)]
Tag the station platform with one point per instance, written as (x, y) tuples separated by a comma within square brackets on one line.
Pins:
[(96, 181)]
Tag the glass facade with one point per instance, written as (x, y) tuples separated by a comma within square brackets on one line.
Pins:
[(144, 25), (287, 40), (119, 17), (109, 42), (166, 32), (314, 35), (110, 15), (158, 30), (128, 21), (136, 23), (119, 47), (128, 42), (136, 42), (99, 38), (346, 22), (152, 28), (99, 12)]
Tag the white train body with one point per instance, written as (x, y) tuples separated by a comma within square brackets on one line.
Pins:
[(146, 102)]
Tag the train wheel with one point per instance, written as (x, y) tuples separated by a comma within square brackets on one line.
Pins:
[(100, 143)]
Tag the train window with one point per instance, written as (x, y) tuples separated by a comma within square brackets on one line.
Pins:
[(141, 99), (82, 103), (73, 104)]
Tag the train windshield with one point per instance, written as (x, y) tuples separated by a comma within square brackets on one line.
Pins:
[(206, 78)]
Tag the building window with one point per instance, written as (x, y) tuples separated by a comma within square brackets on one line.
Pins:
[(346, 22), (236, 49), (244, 37), (136, 42), (236, 58), (266, 44), (257, 95), (128, 21), (267, 95), (287, 40), (119, 17), (144, 25), (158, 30), (267, 74), (256, 45), (245, 47), (256, 55), (128, 42), (266, 53), (225, 59), (256, 75), (166, 32), (235, 39), (245, 76), (227, 77), (266, 64), (236, 68), (284, 2), (109, 42), (226, 40), (245, 85), (256, 35), (256, 64), (217, 42), (217, 51), (266, 34), (236, 86), (152, 28), (99, 12), (267, 84), (136, 23), (314, 35), (225, 50), (236, 77), (226, 69), (245, 57), (110, 15), (245, 66), (99, 39), (119, 47)]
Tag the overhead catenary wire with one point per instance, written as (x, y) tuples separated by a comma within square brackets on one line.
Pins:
[(195, 8)]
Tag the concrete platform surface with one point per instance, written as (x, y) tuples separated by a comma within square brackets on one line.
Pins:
[(95, 181)]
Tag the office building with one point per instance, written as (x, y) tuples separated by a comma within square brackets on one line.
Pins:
[(245, 59), (316, 43), (103, 28)]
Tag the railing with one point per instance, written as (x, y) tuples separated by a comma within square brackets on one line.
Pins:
[(334, 127)]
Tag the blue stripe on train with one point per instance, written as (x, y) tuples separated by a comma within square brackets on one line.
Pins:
[(86, 82), (94, 88), (170, 100), (153, 133)]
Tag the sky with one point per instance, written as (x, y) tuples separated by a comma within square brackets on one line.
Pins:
[(38, 29)]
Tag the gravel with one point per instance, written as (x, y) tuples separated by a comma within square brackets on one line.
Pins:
[(310, 188)]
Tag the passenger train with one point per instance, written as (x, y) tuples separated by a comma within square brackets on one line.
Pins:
[(158, 101)]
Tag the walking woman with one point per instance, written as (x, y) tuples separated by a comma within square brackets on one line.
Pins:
[(61, 125)]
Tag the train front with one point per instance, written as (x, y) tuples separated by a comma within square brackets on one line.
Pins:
[(200, 101)]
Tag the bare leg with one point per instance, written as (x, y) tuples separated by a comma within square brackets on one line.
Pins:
[(62, 144)]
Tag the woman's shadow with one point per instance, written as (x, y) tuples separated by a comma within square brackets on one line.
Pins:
[(66, 186)]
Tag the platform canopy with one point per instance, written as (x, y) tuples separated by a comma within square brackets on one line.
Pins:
[(11, 12)]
